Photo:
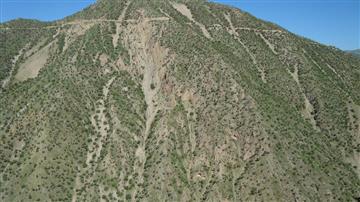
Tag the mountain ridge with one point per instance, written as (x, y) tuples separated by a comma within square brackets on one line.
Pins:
[(355, 52), (154, 101)]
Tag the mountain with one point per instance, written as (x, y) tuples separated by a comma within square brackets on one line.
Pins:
[(355, 52), (174, 101)]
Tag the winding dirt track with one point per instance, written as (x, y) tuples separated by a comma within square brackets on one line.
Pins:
[(79, 22)]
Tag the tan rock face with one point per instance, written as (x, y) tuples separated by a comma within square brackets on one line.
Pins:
[(33, 64)]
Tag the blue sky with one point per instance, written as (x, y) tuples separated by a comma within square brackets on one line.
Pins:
[(332, 22)]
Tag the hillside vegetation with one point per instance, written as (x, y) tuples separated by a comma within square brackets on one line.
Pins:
[(178, 100)]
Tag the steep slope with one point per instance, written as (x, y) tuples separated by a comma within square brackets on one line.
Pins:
[(175, 101)]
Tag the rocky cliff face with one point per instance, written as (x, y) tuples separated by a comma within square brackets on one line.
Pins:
[(176, 101)]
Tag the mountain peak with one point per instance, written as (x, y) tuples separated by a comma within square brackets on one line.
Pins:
[(177, 102)]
